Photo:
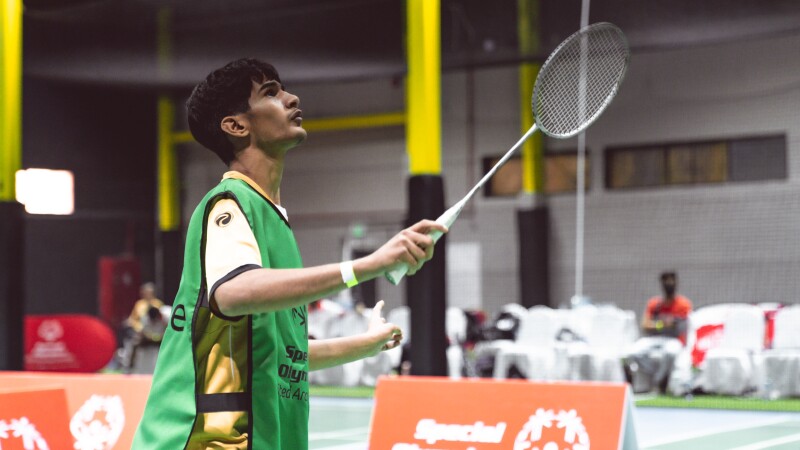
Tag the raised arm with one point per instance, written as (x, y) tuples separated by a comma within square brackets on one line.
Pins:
[(263, 290)]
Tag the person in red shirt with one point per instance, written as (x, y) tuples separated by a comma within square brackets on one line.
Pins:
[(667, 315), (649, 363)]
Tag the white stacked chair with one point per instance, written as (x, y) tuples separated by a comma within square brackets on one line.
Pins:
[(682, 379), (608, 336), (780, 367), (730, 367), (581, 320), (319, 318), (515, 308), (456, 326), (533, 352), (489, 349)]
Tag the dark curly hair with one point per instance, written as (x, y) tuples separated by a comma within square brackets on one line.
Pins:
[(224, 92)]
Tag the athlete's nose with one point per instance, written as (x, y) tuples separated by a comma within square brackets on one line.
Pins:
[(293, 101)]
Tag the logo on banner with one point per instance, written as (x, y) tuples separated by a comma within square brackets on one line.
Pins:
[(430, 431), (51, 351), (534, 435), (50, 330), (545, 430), (21, 430), (98, 423)]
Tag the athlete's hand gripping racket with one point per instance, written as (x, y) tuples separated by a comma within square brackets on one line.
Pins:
[(574, 86)]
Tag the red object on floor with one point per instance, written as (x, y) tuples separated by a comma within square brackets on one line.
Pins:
[(68, 343)]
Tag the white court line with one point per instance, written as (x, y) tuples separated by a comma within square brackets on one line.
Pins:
[(709, 432), (767, 444), (348, 433), (359, 446)]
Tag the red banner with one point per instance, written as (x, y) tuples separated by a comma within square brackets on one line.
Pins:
[(68, 343)]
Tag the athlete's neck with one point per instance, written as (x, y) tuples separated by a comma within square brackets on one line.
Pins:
[(265, 171)]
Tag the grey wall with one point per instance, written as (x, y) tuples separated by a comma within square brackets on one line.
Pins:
[(732, 242)]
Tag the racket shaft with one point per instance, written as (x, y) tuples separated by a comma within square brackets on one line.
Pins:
[(449, 217), (499, 164)]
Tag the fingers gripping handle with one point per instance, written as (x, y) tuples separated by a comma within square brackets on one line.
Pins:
[(447, 218)]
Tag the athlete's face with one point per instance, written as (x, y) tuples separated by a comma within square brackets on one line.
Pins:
[(275, 118)]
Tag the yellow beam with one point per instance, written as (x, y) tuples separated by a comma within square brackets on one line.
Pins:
[(533, 148), (10, 96), (423, 90), (355, 122), (182, 137), (168, 200), (341, 123)]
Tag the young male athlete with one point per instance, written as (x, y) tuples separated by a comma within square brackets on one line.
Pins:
[(232, 371)]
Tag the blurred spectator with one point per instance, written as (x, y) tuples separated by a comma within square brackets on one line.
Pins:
[(667, 315), (664, 324), (144, 329)]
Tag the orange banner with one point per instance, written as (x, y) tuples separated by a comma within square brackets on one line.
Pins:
[(34, 420), (104, 410), (425, 413)]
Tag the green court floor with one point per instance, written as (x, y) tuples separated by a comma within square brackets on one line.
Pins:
[(339, 424)]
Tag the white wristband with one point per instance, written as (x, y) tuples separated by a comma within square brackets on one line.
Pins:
[(348, 276)]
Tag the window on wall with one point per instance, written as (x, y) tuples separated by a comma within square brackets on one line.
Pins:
[(718, 161), (560, 168), (561, 172), (507, 181)]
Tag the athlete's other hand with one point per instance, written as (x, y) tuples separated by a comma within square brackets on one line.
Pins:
[(385, 335)]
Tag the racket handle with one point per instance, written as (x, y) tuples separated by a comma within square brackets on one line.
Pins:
[(447, 218)]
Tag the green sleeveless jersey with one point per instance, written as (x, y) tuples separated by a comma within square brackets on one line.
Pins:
[(266, 405)]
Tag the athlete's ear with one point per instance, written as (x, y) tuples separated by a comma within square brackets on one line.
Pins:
[(235, 126)]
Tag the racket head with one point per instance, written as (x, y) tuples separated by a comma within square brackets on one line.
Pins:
[(590, 64)]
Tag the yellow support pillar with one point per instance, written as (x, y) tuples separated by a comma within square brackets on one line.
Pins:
[(12, 225), (533, 219), (425, 291), (10, 96), (168, 200), (169, 242), (533, 149), (423, 89)]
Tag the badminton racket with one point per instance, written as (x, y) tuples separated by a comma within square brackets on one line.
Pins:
[(575, 85)]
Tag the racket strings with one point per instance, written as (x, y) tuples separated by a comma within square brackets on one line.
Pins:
[(579, 79)]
